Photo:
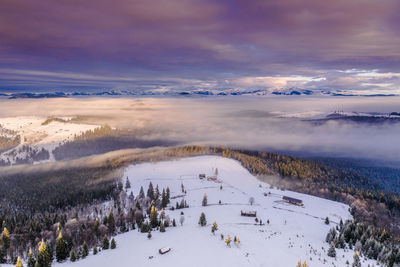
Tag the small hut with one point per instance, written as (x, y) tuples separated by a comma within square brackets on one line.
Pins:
[(293, 201), (248, 213)]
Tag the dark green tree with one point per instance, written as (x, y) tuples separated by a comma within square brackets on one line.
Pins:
[(73, 255), (61, 248), (85, 250), (150, 191), (113, 244), (106, 243), (202, 220)]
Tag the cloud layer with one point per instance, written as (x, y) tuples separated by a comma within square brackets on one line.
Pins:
[(191, 43)]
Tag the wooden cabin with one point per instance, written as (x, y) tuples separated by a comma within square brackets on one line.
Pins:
[(248, 213), (164, 250), (202, 176), (293, 201), (211, 178)]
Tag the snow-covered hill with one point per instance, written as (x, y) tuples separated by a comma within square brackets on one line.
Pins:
[(36, 134), (294, 232)]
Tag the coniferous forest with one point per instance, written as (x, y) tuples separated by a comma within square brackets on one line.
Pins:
[(59, 213)]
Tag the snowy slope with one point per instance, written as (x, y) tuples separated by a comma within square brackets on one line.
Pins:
[(294, 233), (37, 135)]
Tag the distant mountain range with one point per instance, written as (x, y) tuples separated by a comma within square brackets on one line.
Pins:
[(188, 93)]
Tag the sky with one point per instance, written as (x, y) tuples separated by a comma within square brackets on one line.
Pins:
[(350, 45)]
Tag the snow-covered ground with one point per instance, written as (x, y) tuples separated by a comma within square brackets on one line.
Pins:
[(35, 134), (294, 233)]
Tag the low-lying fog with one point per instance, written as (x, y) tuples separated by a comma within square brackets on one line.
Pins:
[(245, 122)]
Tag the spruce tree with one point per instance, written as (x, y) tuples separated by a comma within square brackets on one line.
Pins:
[(204, 202), (73, 255), (150, 191), (127, 183), (157, 193), (327, 220), (141, 193), (61, 248), (19, 263), (85, 250), (202, 220), (106, 242), (95, 250), (162, 228), (168, 195), (113, 244), (357, 262), (153, 217), (6, 238), (31, 259), (43, 257), (96, 226), (111, 222), (164, 201), (332, 250)]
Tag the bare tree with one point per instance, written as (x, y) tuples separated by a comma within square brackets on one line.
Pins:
[(251, 200)]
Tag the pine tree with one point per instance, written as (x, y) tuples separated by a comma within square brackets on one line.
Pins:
[(106, 242), (111, 222), (96, 226), (168, 195), (164, 201), (162, 228), (95, 250), (141, 193), (214, 227), (150, 191), (85, 250), (73, 255), (357, 262), (19, 263), (204, 202), (157, 193), (153, 217), (332, 250), (127, 183), (202, 220), (61, 248), (31, 259), (43, 257), (228, 241), (6, 238), (326, 220), (113, 244)]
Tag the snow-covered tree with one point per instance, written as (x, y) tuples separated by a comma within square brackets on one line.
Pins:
[(150, 191), (202, 219), (356, 258), (251, 200), (332, 250), (127, 183), (228, 241), (204, 202)]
